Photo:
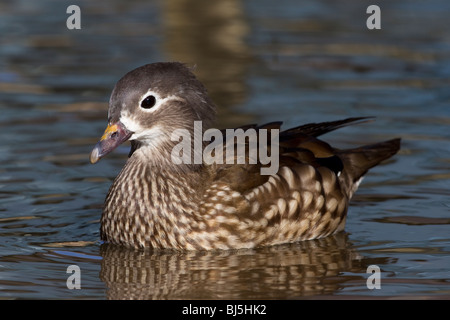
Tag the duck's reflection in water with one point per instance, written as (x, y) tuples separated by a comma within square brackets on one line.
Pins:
[(297, 270)]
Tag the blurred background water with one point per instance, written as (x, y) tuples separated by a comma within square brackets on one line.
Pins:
[(294, 61)]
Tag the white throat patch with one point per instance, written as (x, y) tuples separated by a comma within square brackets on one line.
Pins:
[(152, 136)]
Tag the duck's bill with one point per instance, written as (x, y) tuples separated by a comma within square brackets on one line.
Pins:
[(115, 134)]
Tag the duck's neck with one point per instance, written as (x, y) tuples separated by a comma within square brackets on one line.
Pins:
[(149, 199)]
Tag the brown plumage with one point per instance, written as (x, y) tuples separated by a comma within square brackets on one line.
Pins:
[(156, 203)]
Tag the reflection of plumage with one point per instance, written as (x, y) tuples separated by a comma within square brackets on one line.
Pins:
[(156, 203), (306, 268)]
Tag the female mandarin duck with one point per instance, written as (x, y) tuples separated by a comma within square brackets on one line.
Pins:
[(156, 203)]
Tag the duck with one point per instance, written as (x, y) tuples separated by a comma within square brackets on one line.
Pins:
[(157, 203)]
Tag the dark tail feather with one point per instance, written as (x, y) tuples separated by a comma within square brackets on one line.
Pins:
[(358, 161), (317, 129)]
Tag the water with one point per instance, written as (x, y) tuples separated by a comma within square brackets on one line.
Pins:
[(296, 61)]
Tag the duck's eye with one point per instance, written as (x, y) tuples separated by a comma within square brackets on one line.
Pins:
[(148, 102)]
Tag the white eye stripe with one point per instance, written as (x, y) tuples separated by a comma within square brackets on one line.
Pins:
[(159, 101)]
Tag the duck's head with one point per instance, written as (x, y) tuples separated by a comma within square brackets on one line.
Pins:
[(149, 103)]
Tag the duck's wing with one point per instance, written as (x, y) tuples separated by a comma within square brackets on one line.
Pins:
[(299, 147), (306, 197)]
